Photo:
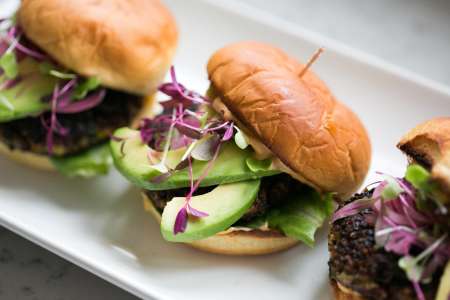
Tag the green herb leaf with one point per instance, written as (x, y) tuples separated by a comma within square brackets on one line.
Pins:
[(93, 162), (258, 165), (417, 176), (392, 189), (240, 139), (302, 215), (9, 65), (85, 87)]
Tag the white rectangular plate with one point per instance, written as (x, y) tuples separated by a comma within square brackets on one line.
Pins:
[(100, 225)]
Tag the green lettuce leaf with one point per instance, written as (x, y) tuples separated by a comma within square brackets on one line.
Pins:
[(93, 162), (304, 213), (418, 176)]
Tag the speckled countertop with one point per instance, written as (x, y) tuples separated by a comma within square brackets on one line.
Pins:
[(414, 34), (31, 272)]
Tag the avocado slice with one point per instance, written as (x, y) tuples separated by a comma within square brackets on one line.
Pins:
[(444, 288), (25, 98), (225, 205), (132, 161)]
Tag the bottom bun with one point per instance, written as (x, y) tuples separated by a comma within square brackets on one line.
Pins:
[(236, 240), (37, 161), (342, 293), (42, 162)]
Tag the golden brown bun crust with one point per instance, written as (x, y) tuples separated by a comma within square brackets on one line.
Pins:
[(43, 163), (128, 45), (235, 241), (298, 119), (341, 293), (429, 145)]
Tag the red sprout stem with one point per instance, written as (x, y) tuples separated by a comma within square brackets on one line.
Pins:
[(190, 170), (177, 86), (8, 84), (204, 173), (30, 52), (216, 128), (82, 105), (67, 87), (419, 292), (12, 32)]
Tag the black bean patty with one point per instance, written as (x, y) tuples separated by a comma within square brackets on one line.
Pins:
[(274, 190), (86, 129), (356, 264)]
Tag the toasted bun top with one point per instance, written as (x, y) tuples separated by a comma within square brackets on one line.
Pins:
[(429, 145), (128, 45), (296, 118)]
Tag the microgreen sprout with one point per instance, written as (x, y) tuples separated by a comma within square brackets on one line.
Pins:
[(185, 122), (402, 223)]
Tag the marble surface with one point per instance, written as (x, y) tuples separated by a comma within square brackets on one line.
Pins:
[(31, 272), (414, 34)]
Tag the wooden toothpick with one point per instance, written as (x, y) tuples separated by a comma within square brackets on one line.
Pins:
[(311, 61)]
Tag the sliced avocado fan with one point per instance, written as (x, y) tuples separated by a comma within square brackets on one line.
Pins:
[(26, 98), (130, 156)]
